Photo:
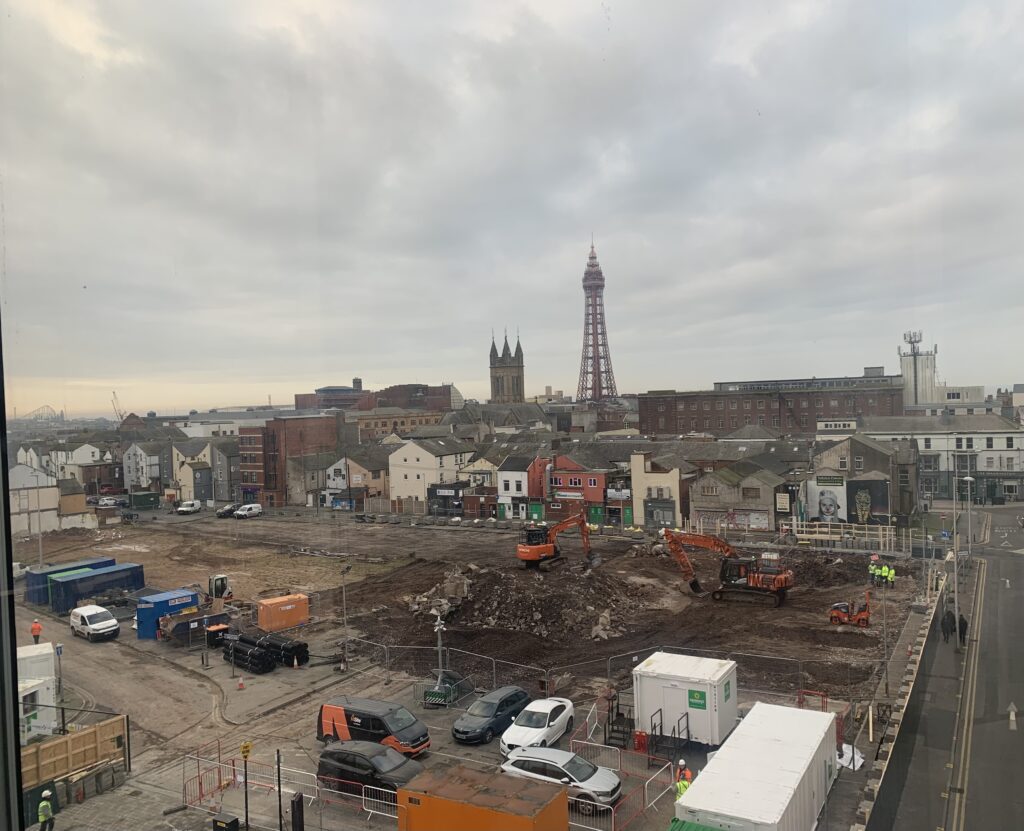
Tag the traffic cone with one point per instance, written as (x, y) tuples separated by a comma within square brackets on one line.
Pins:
[(241, 683)]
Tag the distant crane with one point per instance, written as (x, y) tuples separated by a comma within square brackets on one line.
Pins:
[(117, 408)]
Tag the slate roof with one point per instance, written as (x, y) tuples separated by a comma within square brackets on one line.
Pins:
[(517, 463), (753, 432), (191, 447), (69, 487), (442, 447), (986, 422), (371, 457)]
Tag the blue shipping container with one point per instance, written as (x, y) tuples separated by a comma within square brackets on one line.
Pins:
[(155, 606), (37, 587), (70, 589)]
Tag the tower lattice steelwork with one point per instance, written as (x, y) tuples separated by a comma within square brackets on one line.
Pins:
[(597, 380)]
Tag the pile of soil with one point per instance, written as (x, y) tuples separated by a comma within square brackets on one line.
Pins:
[(567, 602)]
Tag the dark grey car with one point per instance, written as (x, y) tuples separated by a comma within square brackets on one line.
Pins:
[(490, 716)]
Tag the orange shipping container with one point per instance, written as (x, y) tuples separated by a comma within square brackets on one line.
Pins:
[(460, 798), (277, 613)]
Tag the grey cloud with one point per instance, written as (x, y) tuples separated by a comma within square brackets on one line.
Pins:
[(373, 194)]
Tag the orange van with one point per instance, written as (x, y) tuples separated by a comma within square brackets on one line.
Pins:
[(348, 718)]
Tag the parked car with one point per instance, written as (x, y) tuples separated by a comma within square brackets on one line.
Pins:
[(248, 511), (228, 510), (190, 506), (94, 623), (588, 783), (490, 716), (123, 503), (107, 502), (92, 500), (540, 723), (348, 767)]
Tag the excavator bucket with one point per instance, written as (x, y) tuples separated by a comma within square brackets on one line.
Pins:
[(696, 588)]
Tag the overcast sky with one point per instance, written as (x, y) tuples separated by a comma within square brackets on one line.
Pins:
[(206, 203)]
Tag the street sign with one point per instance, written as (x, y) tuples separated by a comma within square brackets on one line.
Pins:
[(946, 535), (59, 649), (246, 749)]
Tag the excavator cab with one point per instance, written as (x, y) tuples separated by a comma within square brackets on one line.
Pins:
[(535, 536), (736, 571), (218, 587)]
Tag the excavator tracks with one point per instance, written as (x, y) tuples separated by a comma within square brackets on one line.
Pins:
[(775, 599)]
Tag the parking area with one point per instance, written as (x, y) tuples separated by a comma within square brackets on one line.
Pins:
[(213, 778)]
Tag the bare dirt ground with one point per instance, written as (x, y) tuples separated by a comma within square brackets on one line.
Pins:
[(550, 619)]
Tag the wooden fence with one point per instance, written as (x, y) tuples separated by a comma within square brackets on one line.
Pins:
[(64, 755)]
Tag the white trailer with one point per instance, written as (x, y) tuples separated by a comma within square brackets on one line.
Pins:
[(686, 692), (772, 774)]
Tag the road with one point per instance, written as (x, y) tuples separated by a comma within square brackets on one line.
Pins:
[(984, 788)]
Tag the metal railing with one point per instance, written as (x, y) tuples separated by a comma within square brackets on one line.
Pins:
[(588, 815), (658, 784)]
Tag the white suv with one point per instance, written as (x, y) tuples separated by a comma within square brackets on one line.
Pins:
[(589, 784), (247, 511)]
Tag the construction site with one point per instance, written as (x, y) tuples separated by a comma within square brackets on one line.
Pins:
[(574, 626)]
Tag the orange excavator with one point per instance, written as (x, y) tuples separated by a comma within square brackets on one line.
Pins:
[(740, 577), (539, 545)]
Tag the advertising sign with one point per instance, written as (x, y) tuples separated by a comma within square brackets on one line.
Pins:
[(868, 502), (826, 499), (782, 503)]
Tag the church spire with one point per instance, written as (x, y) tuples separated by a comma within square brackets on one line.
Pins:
[(494, 349), (506, 351)]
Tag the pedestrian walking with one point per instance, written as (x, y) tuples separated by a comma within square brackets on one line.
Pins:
[(45, 813), (37, 630), (944, 625), (891, 577), (949, 623), (963, 631)]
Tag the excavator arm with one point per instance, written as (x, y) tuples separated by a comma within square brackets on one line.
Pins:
[(675, 541), (537, 553)]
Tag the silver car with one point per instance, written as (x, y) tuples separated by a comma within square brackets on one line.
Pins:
[(589, 784)]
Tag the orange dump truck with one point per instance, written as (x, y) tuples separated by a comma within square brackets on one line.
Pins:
[(460, 798)]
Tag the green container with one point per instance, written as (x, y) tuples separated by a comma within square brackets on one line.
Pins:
[(144, 500), (49, 580)]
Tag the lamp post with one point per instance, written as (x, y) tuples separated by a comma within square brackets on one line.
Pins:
[(39, 519), (970, 502), (344, 611)]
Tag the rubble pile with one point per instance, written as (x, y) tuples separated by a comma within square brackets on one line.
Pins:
[(562, 603)]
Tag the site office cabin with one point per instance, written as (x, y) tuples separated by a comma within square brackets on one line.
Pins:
[(365, 719)]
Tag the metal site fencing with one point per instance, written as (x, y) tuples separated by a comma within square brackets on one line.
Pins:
[(213, 784), (767, 676), (646, 780)]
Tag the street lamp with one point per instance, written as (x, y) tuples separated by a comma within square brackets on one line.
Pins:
[(344, 610), (39, 519), (970, 502)]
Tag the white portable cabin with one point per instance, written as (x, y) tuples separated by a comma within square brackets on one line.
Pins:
[(772, 774), (702, 688)]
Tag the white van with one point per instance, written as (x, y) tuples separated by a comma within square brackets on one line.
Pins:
[(190, 506), (247, 511), (94, 623)]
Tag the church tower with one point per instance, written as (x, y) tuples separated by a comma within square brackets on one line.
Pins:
[(507, 374)]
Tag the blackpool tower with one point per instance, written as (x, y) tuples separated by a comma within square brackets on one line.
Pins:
[(597, 381)]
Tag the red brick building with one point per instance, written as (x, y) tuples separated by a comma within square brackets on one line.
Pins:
[(443, 398), (264, 453), (792, 407)]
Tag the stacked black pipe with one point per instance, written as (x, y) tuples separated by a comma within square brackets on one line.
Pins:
[(249, 658), (284, 650)]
